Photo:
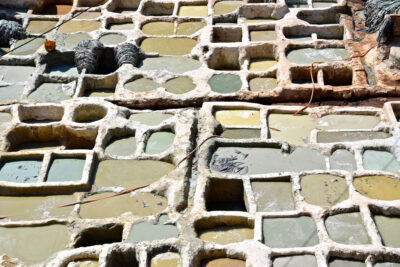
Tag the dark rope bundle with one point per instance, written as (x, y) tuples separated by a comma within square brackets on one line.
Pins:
[(375, 11), (127, 53), (87, 55), (11, 31)]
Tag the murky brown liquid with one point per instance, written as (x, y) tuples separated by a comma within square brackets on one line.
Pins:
[(226, 234), (33, 244), (324, 189), (56, 9), (378, 187), (35, 208), (140, 204)]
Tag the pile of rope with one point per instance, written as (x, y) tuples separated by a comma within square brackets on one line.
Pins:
[(375, 11), (11, 31)]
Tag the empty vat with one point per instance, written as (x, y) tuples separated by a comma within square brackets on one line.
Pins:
[(380, 160), (33, 244), (225, 83), (35, 146), (167, 259), (65, 169), (226, 234), (239, 117), (310, 55), (295, 261), (99, 92), (56, 9), (347, 228), (260, 160), (324, 189), (124, 146), (323, 4), (159, 142), (389, 229), (131, 173), (259, 20), (150, 118), (20, 170), (289, 232), (225, 194), (168, 46), (273, 195), (378, 187), (89, 15), (139, 204)]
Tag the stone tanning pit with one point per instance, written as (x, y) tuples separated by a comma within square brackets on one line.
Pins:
[(184, 139)]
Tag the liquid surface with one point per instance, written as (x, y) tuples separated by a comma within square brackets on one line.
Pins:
[(150, 118), (20, 171), (342, 159), (258, 160), (15, 74), (35, 208), (22, 242), (5, 120), (224, 262), (295, 261), (345, 263), (168, 46), (226, 7), (35, 146), (193, 11), (263, 84), (67, 69), (225, 83), (121, 26), (347, 228), (168, 259), (273, 196), (79, 26), (389, 230), (238, 117), (324, 189), (226, 234), (64, 170), (145, 231), (112, 39), (262, 36), (159, 142), (139, 204), (49, 92), (28, 48), (241, 133), (378, 187), (177, 64), (261, 64), (258, 20), (380, 160), (309, 55), (40, 26), (131, 173), (189, 28), (125, 146), (290, 232), (159, 28), (349, 136)]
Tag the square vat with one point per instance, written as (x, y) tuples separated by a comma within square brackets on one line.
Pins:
[(66, 169), (224, 58), (193, 11), (20, 170), (302, 75), (157, 9), (226, 35), (53, 92), (389, 229), (273, 195), (54, 8), (295, 261), (290, 232), (95, 87), (225, 194), (262, 35), (16, 74), (40, 26)]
